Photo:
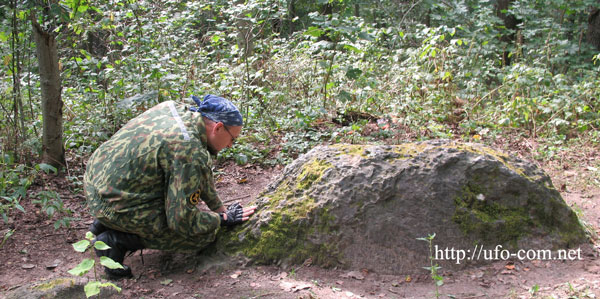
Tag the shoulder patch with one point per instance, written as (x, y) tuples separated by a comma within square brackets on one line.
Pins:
[(195, 198)]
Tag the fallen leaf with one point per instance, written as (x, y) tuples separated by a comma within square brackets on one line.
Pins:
[(477, 275), (510, 267), (166, 282), (293, 287), (307, 262), (145, 291), (570, 173), (279, 276), (303, 286), (408, 278), (243, 181), (563, 187), (236, 274), (286, 286), (354, 274), (189, 271), (28, 266)]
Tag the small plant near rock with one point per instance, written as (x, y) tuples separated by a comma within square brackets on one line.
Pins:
[(433, 268), (50, 202), (534, 289), (92, 288), (7, 235)]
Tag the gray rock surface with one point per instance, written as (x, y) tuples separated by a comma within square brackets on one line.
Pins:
[(364, 206), (57, 288)]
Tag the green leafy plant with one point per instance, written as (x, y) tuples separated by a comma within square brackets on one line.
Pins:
[(7, 235), (14, 182), (433, 268), (93, 287), (50, 201), (534, 289)]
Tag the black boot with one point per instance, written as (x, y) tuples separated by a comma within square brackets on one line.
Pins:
[(120, 243), (97, 227)]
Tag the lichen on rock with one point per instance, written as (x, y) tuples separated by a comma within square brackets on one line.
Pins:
[(364, 206)]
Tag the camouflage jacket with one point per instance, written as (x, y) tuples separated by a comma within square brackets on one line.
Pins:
[(155, 169)]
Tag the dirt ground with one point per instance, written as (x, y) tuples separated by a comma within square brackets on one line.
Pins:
[(37, 252)]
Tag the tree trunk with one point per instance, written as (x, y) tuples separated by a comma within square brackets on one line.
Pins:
[(19, 122), (511, 23), (327, 9), (53, 152), (245, 36), (292, 14), (593, 34)]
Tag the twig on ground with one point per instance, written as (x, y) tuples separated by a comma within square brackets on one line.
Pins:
[(266, 294), (51, 235), (392, 291), (236, 198)]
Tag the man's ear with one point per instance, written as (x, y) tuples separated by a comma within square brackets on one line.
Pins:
[(218, 126)]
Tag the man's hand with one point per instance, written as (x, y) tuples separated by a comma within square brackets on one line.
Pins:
[(236, 214)]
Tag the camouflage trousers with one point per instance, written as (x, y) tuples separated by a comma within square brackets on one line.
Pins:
[(149, 225)]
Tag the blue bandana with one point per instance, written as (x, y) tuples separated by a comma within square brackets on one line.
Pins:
[(218, 109)]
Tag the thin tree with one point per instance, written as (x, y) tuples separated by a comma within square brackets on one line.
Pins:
[(511, 24), (53, 151), (593, 34), (19, 116)]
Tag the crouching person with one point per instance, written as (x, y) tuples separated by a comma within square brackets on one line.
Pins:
[(144, 184)]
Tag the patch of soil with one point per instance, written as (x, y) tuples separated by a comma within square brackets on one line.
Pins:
[(36, 252)]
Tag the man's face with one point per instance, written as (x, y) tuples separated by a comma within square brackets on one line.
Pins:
[(221, 136)]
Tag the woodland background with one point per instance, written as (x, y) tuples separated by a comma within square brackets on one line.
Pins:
[(303, 73)]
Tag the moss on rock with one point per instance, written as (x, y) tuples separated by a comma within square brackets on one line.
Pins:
[(312, 173), (52, 284), (285, 223), (488, 221)]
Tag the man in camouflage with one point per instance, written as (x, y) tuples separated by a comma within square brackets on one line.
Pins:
[(143, 184)]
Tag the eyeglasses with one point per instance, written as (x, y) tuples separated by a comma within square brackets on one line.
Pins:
[(232, 138)]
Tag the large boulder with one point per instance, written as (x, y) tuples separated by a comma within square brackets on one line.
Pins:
[(364, 206)]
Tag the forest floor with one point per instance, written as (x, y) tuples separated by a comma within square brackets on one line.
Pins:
[(36, 252)]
